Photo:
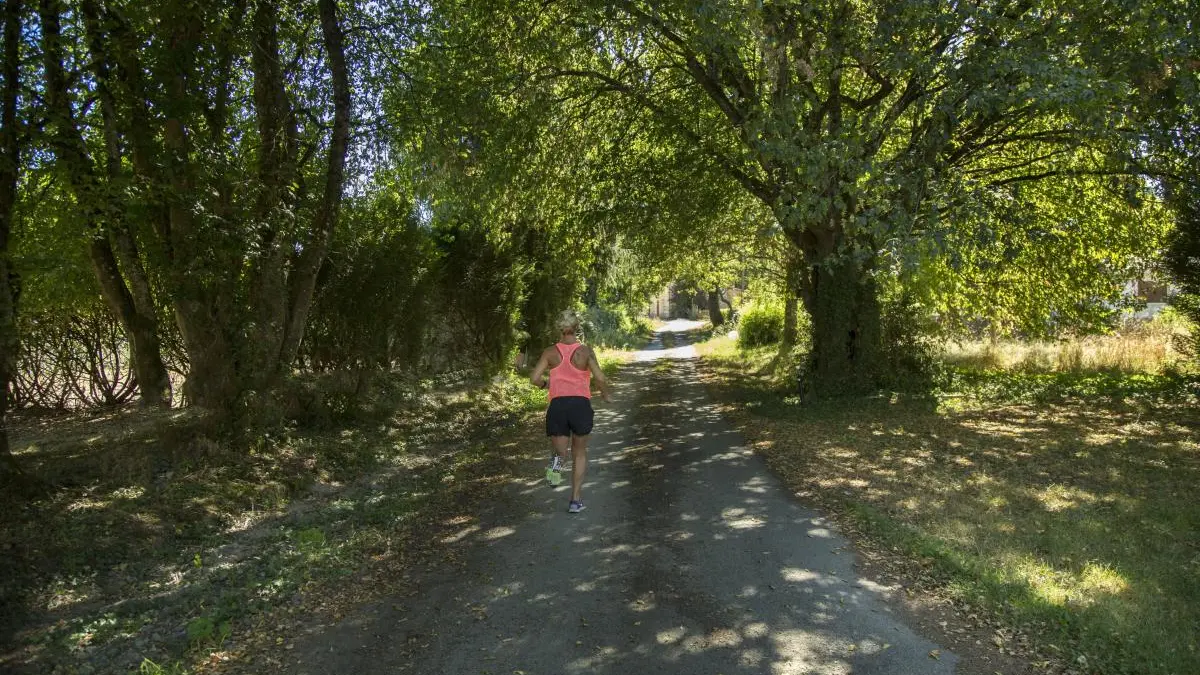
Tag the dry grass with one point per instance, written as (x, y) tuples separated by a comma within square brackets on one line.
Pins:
[(1073, 517), (1144, 348)]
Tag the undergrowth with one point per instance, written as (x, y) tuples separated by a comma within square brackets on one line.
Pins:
[(1055, 502), (162, 538)]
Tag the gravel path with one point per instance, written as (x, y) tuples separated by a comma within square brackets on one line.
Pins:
[(691, 558)]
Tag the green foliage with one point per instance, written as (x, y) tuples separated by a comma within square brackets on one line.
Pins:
[(479, 287), (1183, 262), (605, 327), (761, 323), (992, 387), (1041, 260), (310, 541), (206, 632), (148, 667), (909, 347), (372, 306)]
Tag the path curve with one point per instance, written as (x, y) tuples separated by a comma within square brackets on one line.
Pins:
[(691, 559)]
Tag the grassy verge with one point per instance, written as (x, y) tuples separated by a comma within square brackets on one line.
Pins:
[(161, 548), (1061, 503)]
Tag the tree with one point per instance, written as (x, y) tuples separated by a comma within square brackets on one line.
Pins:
[(10, 163), (1046, 259), (219, 163), (1166, 106), (856, 123), (112, 248)]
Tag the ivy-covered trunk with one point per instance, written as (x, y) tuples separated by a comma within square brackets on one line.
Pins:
[(844, 306), (791, 294), (834, 280)]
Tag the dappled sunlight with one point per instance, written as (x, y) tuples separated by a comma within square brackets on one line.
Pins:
[(690, 558), (801, 654), (160, 534), (1078, 504), (1060, 497), (960, 531), (1070, 588), (88, 504), (799, 576), (741, 519), (498, 532)]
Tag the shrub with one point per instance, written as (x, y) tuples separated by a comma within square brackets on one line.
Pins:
[(761, 324), (909, 349), (606, 327), (372, 304)]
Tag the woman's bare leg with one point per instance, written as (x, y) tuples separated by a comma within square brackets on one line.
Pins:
[(560, 444), (579, 466)]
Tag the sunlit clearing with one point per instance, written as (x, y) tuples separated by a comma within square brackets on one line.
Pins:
[(1061, 497)]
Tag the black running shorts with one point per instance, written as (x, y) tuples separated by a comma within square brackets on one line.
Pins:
[(569, 415)]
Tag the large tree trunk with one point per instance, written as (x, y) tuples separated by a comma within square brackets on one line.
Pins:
[(139, 322), (138, 312), (791, 294), (275, 210), (10, 164), (714, 308), (204, 303), (840, 296), (303, 279), (844, 307)]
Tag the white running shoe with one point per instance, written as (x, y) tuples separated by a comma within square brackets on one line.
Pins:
[(554, 471)]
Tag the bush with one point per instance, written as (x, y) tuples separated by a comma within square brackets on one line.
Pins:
[(373, 301), (606, 327), (72, 362), (761, 324), (909, 349)]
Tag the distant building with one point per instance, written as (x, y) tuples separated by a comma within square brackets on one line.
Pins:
[(660, 305), (685, 302), (1156, 293)]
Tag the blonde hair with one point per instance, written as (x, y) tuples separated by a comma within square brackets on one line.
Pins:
[(567, 322)]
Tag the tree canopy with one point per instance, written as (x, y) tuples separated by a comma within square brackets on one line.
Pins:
[(250, 190)]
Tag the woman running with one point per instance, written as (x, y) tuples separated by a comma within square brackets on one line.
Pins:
[(572, 366)]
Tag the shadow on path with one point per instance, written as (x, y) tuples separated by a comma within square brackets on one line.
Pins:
[(691, 558)]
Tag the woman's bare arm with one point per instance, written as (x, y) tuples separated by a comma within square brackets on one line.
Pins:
[(537, 377), (598, 376)]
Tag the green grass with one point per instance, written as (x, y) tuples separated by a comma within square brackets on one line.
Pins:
[(1063, 503), (163, 541)]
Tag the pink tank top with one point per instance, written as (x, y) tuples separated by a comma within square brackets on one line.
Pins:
[(565, 378)]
